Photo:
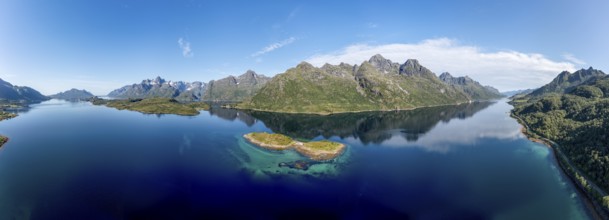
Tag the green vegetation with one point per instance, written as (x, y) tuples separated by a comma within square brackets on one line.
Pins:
[(154, 106), (322, 145), (578, 121), (6, 115), (344, 88), (3, 140), (277, 139), (473, 89), (315, 150)]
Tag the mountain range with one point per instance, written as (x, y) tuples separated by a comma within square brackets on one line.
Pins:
[(376, 84), (230, 88), (23, 94), (159, 87)]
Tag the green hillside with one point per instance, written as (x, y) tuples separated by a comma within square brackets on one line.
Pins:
[(345, 88)]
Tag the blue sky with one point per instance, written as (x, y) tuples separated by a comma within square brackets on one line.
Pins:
[(101, 45)]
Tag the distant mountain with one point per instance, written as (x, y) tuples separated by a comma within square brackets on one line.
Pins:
[(472, 88), (73, 94), (376, 84), (517, 92), (235, 88), (24, 94), (565, 81), (159, 87)]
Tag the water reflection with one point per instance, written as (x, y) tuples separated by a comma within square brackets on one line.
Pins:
[(232, 114), (368, 127)]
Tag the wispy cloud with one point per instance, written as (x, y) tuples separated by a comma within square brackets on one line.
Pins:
[(571, 58), (505, 70), (274, 46), (185, 46), (371, 25)]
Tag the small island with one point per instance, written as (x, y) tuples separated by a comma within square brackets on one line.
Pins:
[(3, 140), (153, 105), (6, 115), (315, 150)]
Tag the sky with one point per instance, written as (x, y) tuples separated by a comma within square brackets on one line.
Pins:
[(101, 45)]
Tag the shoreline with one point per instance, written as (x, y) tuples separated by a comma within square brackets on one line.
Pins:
[(593, 207), (301, 148), (3, 140), (359, 111)]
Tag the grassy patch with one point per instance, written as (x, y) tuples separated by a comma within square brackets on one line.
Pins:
[(3, 140), (155, 106), (6, 115), (322, 145), (275, 139)]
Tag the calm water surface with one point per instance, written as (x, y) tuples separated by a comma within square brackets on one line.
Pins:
[(77, 161)]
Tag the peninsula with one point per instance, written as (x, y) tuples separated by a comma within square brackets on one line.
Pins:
[(315, 150), (154, 105)]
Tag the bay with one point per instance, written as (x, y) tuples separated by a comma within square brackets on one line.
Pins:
[(73, 160)]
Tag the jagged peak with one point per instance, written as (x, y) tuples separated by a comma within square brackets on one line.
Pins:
[(446, 75), (250, 72), (412, 63), (377, 57)]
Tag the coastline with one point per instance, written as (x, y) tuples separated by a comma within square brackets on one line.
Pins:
[(359, 111), (3, 140), (595, 209), (301, 148)]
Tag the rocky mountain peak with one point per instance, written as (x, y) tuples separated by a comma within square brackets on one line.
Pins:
[(382, 64), (413, 63), (159, 80), (377, 58), (445, 75), (412, 68), (250, 73)]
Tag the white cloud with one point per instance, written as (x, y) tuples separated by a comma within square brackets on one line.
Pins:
[(274, 46), (505, 70), (571, 58), (185, 46)]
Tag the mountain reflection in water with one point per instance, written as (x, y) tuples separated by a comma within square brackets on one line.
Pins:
[(368, 127)]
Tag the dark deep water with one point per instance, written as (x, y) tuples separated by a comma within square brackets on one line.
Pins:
[(77, 161)]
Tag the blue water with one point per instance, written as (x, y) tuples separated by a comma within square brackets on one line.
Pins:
[(77, 161)]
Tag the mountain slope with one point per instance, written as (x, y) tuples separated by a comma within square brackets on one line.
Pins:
[(566, 80), (377, 84), (235, 88), (472, 88), (73, 94), (573, 111), (12, 93)]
